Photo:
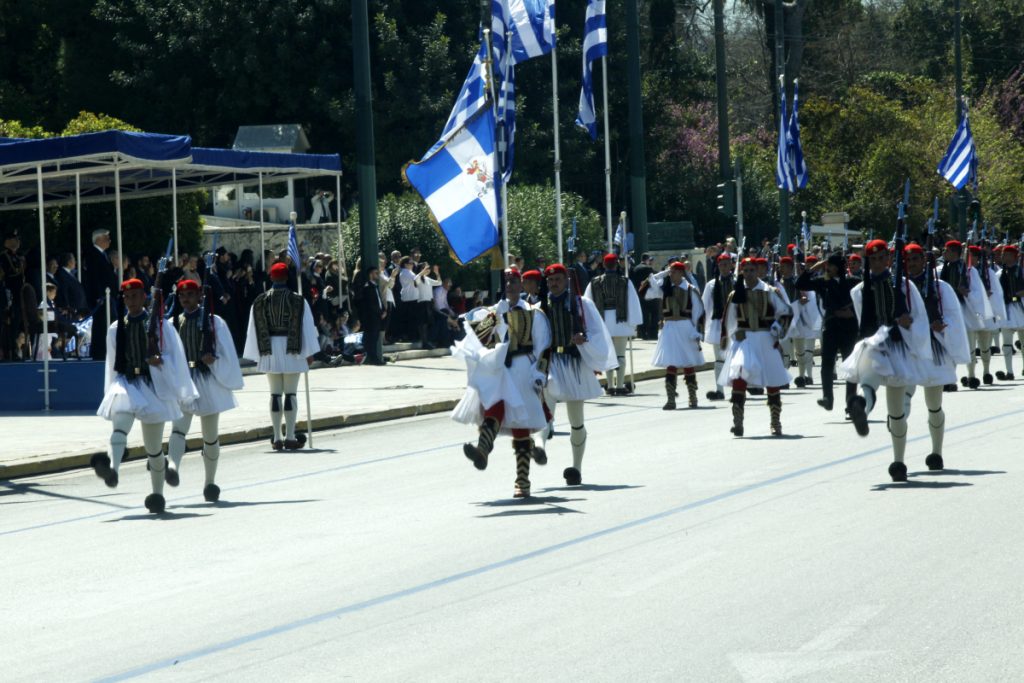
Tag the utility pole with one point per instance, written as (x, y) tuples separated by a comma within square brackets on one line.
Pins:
[(724, 167), (637, 172), (780, 72), (366, 165), (964, 199), (739, 203)]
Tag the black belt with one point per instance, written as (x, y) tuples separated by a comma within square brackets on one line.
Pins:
[(521, 351)]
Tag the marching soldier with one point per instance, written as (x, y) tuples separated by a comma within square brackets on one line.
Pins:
[(282, 339), (798, 345), (966, 282), (504, 383), (679, 341), (1011, 279), (146, 379), (716, 294), (616, 298), (213, 365), (755, 319), (580, 347)]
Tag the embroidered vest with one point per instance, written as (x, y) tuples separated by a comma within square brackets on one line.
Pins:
[(278, 313), (675, 302), (611, 292)]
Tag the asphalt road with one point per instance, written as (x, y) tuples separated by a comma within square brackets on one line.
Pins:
[(687, 555)]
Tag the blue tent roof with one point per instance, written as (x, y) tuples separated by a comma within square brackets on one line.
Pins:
[(90, 147)]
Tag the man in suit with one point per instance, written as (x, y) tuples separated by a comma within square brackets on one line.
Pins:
[(638, 276), (70, 292), (371, 313), (99, 275)]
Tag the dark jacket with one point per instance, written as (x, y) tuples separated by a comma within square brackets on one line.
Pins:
[(98, 275), (70, 292)]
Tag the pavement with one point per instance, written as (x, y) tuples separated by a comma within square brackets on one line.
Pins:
[(420, 383), (687, 555)]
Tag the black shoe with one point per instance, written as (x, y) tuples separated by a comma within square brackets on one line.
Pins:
[(715, 396), (898, 471), (808, 381), (737, 431), (171, 476), (973, 383), (111, 479), (572, 476), (540, 456), (964, 382), (950, 388), (478, 459), (756, 391), (155, 503), (1000, 375), (825, 403), (934, 462), (800, 382), (100, 463), (211, 493), (994, 350), (858, 413), (987, 379)]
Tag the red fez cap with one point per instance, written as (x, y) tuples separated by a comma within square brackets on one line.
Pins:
[(975, 249), (761, 261), (913, 249), (811, 259), (954, 244), (677, 265), (790, 248), (279, 271), (132, 283), (532, 275), (876, 246), (855, 257), (749, 261), (513, 274), (725, 256), (786, 259), (610, 259), (555, 268), (1011, 248), (188, 285)]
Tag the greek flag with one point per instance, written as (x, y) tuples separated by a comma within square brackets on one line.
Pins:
[(783, 171), (797, 165), (471, 97), (458, 183), (293, 248), (595, 46), (532, 28), (960, 163)]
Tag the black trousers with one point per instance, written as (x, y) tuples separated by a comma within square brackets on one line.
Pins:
[(839, 335)]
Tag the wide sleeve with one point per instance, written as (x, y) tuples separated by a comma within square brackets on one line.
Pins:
[(996, 298), (597, 352), (226, 368), (589, 294), (172, 378), (108, 375), (857, 297), (977, 297), (696, 306), (920, 329), (955, 333), (655, 281), (541, 332), (634, 314), (310, 337), (252, 349), (781, 303)]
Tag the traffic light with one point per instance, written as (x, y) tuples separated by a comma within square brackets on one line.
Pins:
[(727, 198)]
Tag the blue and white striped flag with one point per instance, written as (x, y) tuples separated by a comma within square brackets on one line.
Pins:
[(797, 164), (960, 163), (532, 28), (595, 46), (458, 184), (783, 170), (293, 247)]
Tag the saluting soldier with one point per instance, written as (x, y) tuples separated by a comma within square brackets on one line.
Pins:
[(213, 365), (146, 379), (616, 299), (282, 339)]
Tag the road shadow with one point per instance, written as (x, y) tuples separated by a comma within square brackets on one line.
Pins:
[(244, 503), (961, 473), (553, 510), (163, 516), (38, 489), (783, 437), (532, 500), (593, 487), (902, 485)]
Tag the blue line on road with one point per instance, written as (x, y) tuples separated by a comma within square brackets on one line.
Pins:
[(508, 562)]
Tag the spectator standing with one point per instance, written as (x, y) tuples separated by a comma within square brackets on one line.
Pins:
[(99, 274), (70, 293), (371, 315)]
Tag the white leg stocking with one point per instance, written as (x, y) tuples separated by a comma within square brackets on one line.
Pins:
[(786, 346), (869, 383), (936, 417), (291, 404), (152, 438), (578, 433), (276, 382), (908, 396), (176, 442), (122, 423), (211, 445), (985, 343), (806, 357), (719, 364), (617, 377), (972, 344), (894, 397), (1007, 349)]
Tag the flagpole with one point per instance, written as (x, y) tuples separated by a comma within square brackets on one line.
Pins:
[(558, 152), (499, 174), (607, 154)]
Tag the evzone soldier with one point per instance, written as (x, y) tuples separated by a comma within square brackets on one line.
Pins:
[(678, 344), (504, 383), (798, 345), (856, 268), (616, 298), (895, 342), (715, 296), (282, 339), (995, 312), (146, 379), (213, 365), (580, 347), (531, 287), (755, 320), (839, 327), (1011, 279), (975, 305), (948, 341)]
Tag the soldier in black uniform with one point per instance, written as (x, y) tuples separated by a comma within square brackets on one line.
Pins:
[(12, 270), (839, 327)]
